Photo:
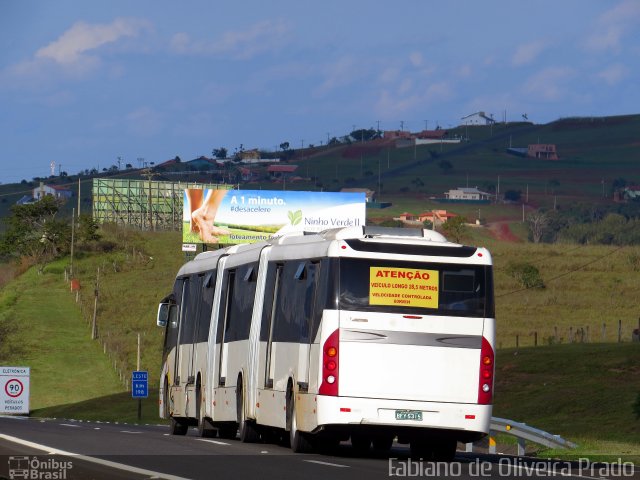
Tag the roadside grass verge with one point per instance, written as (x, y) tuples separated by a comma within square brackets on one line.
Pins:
[(48, 335), (583, 392)]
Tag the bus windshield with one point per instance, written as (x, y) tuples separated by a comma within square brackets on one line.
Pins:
[(416, 287)]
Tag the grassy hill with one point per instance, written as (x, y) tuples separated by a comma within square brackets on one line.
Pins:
[(594, 151)]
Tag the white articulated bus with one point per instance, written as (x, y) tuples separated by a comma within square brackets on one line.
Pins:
[(363, 333)]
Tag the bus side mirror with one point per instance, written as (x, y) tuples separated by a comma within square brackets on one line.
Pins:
[(163, 314)]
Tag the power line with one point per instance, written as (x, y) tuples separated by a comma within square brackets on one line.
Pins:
[(565, 273)]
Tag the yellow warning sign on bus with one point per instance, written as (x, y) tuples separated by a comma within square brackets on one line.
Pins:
[(407, 287)]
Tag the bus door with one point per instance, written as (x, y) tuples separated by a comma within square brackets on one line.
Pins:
[(188, 320), (272, 291), (307, 276), (228, 280)]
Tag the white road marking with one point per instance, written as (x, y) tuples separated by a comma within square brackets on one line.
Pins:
[(68, 425), (86, 458), (212, 441), (128, 431), (327, 463)]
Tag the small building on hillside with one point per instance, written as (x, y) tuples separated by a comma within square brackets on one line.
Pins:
[(395, 134), (369, 194), (543, 151), (53, 190), (478, 118), (466, 194), (279, 171), (436, 217)]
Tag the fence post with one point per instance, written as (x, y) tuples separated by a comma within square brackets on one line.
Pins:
[(555, 334), (517, 341), (570, 334), (604, 331), (535, 339), (619, 331)]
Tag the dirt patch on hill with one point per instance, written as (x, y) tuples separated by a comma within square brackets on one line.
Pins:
[(501, 231)]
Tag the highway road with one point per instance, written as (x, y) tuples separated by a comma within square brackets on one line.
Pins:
[(67, 449)]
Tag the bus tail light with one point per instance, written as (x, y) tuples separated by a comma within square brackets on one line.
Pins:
[(487, 368), (330, 365)]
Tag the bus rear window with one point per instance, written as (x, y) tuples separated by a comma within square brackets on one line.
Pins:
[(413, 287)]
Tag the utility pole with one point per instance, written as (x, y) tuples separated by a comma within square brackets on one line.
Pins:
[(78, 197), (94, 325), (73, 231)]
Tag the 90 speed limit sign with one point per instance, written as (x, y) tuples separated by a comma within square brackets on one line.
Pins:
[(14, 390)]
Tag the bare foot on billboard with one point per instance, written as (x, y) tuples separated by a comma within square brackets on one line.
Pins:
[(203, 217)]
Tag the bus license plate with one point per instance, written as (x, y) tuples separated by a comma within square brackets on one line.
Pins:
[(409, 415)]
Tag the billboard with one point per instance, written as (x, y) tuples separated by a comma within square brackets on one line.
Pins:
[(247, 216)]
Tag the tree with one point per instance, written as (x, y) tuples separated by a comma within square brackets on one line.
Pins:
[(87, 229), (284, 146), (455, 228), (513, 195), (220, 152), (33, 232), (445, 165), (538, 222)]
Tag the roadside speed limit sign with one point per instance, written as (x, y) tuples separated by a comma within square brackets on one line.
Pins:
[(14, 390), (14, 387)]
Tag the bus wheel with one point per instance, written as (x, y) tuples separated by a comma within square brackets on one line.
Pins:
[(228, 432), (299, 441), (204, 427), (176, 427), (246, 428), (360, 443), (445, 450), (382, 443)]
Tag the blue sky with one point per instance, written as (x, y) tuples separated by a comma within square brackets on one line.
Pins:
[(82, 83)]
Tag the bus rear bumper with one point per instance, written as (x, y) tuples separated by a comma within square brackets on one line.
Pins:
[(465, 422)]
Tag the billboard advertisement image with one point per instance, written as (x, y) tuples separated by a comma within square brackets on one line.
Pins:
[(246, 216)]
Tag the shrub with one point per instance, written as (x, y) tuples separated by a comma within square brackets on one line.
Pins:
[(527, 275)]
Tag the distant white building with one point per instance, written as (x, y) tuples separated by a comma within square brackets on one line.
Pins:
[(53, 190), (467, 194), (478, 118)]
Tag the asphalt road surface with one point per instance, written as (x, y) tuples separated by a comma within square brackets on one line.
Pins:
[(66, 449)]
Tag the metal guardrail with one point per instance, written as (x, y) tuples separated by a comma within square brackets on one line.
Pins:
[(524, 433)]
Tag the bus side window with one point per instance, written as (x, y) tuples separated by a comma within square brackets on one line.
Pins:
[(241, 303), (206, 304), (190, 310), (295, 305)]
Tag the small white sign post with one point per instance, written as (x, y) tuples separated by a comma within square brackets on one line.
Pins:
[(14, 390)]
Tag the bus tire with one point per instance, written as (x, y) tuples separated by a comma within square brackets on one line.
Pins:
[(176, 427), (360, 443), (445, 450), (228, 432), (204, 427), (382, 443), (246, 428), (298, 440)]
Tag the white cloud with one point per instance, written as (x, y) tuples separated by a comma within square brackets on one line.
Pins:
[(416, 59), (340, 73), (243, 44), (527, 53), (393, 103), (74, 53), (73, 45), (613, 25), (613, 74), (144, 122), (549, 84)]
